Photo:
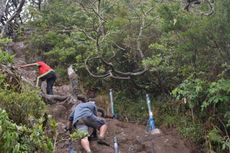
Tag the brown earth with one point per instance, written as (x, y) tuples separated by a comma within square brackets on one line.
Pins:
[(132, 138)]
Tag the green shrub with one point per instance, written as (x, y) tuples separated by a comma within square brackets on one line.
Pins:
[(131, 110), (209, 104), (222, 144), (3, 84), (218, 94), (192, 131), (169, 121), (77, 134), (21, 106), (21, 139), (193, 90), (5, 57)]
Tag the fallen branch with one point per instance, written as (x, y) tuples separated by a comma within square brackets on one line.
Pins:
[(53, 99)]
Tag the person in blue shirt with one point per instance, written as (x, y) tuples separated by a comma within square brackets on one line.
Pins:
[(84, 116)]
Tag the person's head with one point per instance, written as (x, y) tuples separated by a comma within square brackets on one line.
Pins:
[(91, 93), (82, 98)]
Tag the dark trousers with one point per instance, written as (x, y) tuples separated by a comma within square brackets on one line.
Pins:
[(50, 79)]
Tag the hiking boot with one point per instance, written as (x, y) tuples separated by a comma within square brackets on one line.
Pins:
[(93, 136), (102, 141)]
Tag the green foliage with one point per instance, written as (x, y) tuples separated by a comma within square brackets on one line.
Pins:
[(66, 47), (215, 137), (58, 39), (184, 124), (18, 139), (192, 89), (169, 121), (218, 92), (227, 117), (21, 106), (77, 135), (4, 41), (194, 132), (173, 17), (3, 84), (5, 57), (211, 99), (130, 109), (21, 127), (72, 35)]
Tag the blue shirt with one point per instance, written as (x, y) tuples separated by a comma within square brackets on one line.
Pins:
[(83, 110)]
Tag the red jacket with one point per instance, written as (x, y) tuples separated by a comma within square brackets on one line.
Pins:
[(43, 67)]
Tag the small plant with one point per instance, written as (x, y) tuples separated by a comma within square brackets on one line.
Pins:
[(170, 121), (194, 132), (215, 138), (5, 57), (77, 135), (3, 84)]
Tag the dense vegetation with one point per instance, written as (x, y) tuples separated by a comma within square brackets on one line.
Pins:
[(21, 115), (135, 47)]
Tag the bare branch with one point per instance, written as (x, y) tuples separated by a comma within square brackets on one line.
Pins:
[(210, 4), (105, 35), (3, 6), (114, 54), (148, 11), (122, 73), (97, 13), (113, 72), (121, 48), (87, 35), (211, 9), (120, 78), (12, 17), (190, 2), (91, 73), (139, 38)]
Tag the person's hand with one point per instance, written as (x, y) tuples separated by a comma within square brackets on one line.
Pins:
[(20, 66)]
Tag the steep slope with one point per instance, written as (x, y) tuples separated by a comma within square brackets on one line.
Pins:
[(132, 138)]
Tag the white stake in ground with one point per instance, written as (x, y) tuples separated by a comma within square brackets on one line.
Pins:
[(111, 101), (116, 148), (151, 122)]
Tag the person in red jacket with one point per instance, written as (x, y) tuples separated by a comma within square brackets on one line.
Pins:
[(45, 73)]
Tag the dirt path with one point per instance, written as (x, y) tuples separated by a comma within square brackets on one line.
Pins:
[(132, 138)]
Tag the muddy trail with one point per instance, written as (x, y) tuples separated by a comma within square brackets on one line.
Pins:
[(132, 138)]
